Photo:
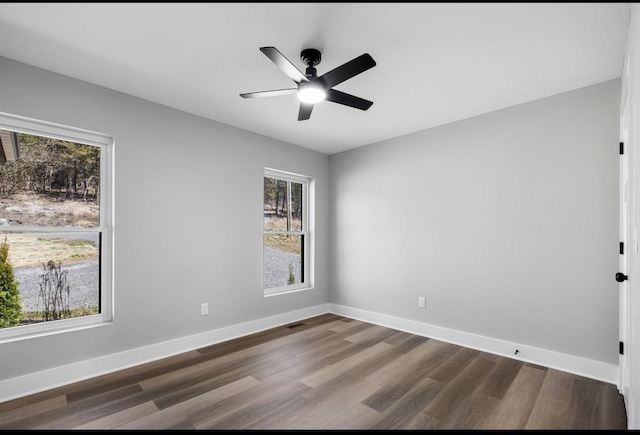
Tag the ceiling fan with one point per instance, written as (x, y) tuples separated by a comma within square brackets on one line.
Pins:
[(311, 88)]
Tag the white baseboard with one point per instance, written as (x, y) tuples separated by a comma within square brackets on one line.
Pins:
[(31, 383), (567, 363), (25, 385)]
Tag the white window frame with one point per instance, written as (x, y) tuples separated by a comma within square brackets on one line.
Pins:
[(307, 231), (106, 144)]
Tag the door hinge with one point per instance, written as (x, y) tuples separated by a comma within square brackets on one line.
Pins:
[(621, 148), (621, 248), (621, 277), (621, 348)]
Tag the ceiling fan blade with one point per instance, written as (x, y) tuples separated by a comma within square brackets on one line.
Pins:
[(348, 70), (305, 111), (283, 63), (274, 93), (348, 100)]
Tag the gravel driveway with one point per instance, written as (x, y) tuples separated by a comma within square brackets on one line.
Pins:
[(82, 279), (276, 267)]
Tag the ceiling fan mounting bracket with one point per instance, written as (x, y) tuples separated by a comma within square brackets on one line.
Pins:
[(310, 56)]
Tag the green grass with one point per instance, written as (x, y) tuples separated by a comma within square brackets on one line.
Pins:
[(29, 251), (36, 316), (283, 243)]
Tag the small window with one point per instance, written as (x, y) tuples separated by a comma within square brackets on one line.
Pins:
[(286, 235), (55, 228)]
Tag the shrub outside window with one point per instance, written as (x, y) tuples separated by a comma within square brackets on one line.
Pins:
[(286, 236), (55, 228)]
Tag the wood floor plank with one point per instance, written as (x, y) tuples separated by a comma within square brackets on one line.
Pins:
[(456, 364), (26, 411), (452, 402), (584, 404), (319, 357), (551, 409), (358, 417), (423, 421), (129, 376), (353, 375), (326, 372), (326, 346), (121, 418), (82, 411), (315, 417), (336, 369), (471, 412), (91, 408), (323, 320), (246, 357), (280, 419), (313, 414), (399, 336), (430, 353), (400, 376), (246, 407), (491, 356), (32, 399), (407, 407), (257, 362), (613, 410), (168, 417), (501, 377), (170, 397), (373, 333), (408, 343), (515, 407), (80, 390), (344, 353), (303, 338), (322, 356), (589, 405), (266, 336), (349, 325)]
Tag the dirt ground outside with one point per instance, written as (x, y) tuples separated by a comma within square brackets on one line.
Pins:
[(47, 209)]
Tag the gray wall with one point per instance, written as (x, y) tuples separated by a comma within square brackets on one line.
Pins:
[(507, 223), (188, 218)]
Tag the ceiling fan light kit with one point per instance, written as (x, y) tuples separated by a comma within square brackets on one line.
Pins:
[(311, 92), (311, 88)]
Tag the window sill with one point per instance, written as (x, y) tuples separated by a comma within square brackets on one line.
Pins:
[(282, 291), (25, 332)]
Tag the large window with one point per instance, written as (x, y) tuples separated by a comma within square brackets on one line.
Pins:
[(55, 228), (286, 238)]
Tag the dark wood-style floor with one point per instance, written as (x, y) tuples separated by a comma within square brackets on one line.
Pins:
[(327, 372)]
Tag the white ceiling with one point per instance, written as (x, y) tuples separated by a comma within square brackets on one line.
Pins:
[(436, 62)]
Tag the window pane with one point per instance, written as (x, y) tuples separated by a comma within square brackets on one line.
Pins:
[(47, 182), (276, 210), (296, 206), (57, 274), (283, 259)]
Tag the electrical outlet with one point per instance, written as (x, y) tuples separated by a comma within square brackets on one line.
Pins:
[(204, 309), (422, 302)]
